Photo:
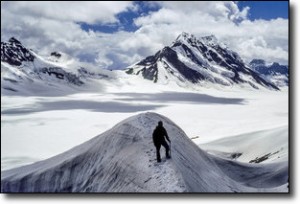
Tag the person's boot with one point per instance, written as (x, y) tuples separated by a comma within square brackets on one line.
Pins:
[(168, 155), (158, 158)]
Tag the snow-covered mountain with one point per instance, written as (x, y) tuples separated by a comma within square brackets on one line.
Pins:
[(22, 70), (122, 159), (188, 62), (276, 73), (198, 61)]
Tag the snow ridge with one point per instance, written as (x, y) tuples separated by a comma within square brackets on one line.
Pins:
[(122, 159)]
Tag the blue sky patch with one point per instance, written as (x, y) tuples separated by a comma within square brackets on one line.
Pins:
[(126, 19), (266, 9)]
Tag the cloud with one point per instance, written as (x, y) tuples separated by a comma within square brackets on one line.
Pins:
[(84, 11), (226, 21), (53, 26), (49, 26), (215, 9), (262, 39)]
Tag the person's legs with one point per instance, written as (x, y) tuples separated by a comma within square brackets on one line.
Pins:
[(158, 152), (166, 146)]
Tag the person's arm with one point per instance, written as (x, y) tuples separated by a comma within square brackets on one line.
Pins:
[(167, 136)]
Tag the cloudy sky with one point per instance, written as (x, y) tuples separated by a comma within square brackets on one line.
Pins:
[(116, 34)]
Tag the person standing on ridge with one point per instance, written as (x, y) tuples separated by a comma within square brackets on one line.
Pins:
[(159, 135)]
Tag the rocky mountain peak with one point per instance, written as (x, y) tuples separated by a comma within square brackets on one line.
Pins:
[(14, 53), (198, 60)]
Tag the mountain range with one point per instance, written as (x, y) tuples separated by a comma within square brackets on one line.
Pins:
[(188, 62), (276, 73)]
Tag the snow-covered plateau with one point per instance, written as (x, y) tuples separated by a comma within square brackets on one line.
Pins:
[(67, 126)]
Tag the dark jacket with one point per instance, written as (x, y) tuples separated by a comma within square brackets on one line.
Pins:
[(159, 135)]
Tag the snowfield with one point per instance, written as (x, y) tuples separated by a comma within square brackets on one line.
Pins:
[(256, 147), (122, 160), (37, 127)]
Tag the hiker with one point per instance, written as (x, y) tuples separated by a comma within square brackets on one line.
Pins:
[(159, 135)]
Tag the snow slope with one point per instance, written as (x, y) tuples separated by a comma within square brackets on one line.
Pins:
[(25, 72), (256, 147), (122, 160)]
